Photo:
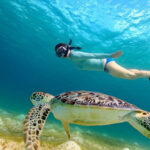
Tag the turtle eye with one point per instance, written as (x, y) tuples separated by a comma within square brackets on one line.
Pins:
[(144, 113), (34, 94)]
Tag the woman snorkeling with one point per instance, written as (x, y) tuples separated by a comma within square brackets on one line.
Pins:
[(98, 62)]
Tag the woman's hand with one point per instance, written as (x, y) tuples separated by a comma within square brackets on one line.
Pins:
[(117, 54)]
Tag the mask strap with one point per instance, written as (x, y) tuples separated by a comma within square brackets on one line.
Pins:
[(78, 48)]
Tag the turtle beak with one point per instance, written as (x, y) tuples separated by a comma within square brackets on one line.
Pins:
[(33, 95)]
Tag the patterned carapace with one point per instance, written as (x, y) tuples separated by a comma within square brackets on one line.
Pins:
[(93, 98)]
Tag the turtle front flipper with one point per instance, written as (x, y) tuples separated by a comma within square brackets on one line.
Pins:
[(33, 126)]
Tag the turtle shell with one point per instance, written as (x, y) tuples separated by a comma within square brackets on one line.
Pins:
[(94, 99)]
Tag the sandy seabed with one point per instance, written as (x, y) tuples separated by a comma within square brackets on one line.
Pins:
[(54, 137)]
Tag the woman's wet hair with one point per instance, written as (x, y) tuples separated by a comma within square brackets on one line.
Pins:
[(60, 44)]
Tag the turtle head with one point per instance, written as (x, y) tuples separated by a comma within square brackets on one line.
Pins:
[(141, 121), (38, 98)]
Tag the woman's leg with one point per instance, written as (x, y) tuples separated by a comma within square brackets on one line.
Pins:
[(121, 72), (141, 73)]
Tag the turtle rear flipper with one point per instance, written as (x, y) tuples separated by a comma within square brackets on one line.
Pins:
[(33, 126), (66, 127)]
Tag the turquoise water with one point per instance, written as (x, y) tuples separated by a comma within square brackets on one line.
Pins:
[(29, 30)]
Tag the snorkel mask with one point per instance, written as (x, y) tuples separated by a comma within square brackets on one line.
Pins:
[(62, 49)]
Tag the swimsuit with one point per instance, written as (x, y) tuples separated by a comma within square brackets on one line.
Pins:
[(107, 61)]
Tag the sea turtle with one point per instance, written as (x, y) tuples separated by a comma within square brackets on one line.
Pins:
[(82, 108)]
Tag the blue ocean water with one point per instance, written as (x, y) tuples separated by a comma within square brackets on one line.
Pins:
[(29, 31)]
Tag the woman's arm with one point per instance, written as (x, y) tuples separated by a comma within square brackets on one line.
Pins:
[(83, 55)]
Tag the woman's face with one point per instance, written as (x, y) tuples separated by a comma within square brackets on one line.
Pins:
[(61, 52), (68, 53)]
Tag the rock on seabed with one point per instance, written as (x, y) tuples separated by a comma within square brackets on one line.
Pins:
[(69, 145)]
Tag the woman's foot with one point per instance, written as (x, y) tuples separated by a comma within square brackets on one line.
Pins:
[(117, 54)]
